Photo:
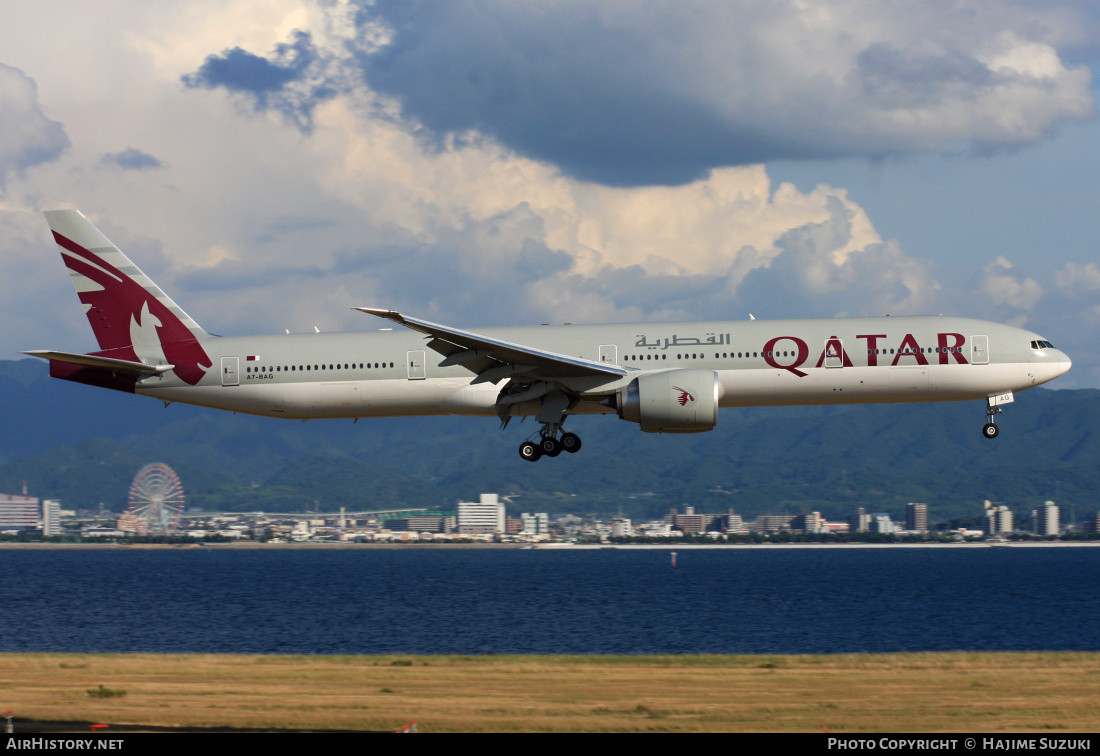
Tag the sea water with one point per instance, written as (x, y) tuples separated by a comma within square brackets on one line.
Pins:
[(521, 601)]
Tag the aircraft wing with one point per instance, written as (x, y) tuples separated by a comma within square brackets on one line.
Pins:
[(494, 359), (103, 363)]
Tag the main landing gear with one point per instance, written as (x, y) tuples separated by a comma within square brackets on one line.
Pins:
[(546, 443)]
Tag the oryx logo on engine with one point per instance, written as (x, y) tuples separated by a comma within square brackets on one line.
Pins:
[(685, 396)]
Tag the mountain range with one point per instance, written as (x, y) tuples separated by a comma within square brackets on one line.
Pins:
[(83, 445)]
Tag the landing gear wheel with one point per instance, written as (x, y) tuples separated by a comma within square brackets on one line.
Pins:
[(990, 430), (550, 446), (530, 451), (571, 442)]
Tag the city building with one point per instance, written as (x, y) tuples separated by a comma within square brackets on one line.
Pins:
[(127, 523), (771, 523), (484, 516), (998, 519), (691, 522), (536, 524), (916, 517), (422, 523), (881, 523), (811, 522), (860, 522), (19, 512), (1047, 519), (734, 523), (1092, 525), (51, 517), (621, 528)]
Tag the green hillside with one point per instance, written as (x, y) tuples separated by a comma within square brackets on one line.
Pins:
[(83, 446)]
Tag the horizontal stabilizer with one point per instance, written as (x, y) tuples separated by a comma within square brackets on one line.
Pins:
[(103, 363)]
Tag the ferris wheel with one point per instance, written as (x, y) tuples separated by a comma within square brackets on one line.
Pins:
[(156, 499)]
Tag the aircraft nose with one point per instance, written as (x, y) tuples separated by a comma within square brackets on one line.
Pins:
[(1064, 364)]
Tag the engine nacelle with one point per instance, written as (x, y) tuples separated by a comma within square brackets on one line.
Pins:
[(672, 401)]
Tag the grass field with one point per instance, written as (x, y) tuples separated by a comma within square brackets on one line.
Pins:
[(957, 692)]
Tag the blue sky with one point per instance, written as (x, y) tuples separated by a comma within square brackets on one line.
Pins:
[(272, 163)]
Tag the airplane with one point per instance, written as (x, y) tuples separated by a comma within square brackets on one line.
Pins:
[(665, 377)]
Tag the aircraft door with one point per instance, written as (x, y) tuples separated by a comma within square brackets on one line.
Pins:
[(834, 353), (417, 369), (979, 350), (230, 371), (609, 354)]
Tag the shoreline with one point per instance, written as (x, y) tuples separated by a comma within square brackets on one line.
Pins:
[(248, 545)]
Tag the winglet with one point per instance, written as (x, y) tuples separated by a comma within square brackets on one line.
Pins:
[(387, 314)]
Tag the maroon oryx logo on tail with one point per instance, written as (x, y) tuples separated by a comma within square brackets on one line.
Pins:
[(685, 396), (120, 307)]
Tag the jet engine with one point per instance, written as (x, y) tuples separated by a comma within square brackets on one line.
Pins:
[(672, 401)]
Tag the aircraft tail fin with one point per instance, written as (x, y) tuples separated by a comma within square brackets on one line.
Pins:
[(132, 318)]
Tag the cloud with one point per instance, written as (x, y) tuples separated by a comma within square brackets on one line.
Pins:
[(1002, 295), (27, 136), (40, 308), (130, 159), (254, 227), (470, 217), (293, 81), (1077, 278), (629, 93)]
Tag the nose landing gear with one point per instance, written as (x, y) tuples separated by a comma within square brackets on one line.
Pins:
[(990, 429)]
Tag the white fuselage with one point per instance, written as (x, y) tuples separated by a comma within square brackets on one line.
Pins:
[(783, 362)]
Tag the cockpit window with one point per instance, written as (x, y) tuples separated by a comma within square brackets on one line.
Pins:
[(1041, 345)]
